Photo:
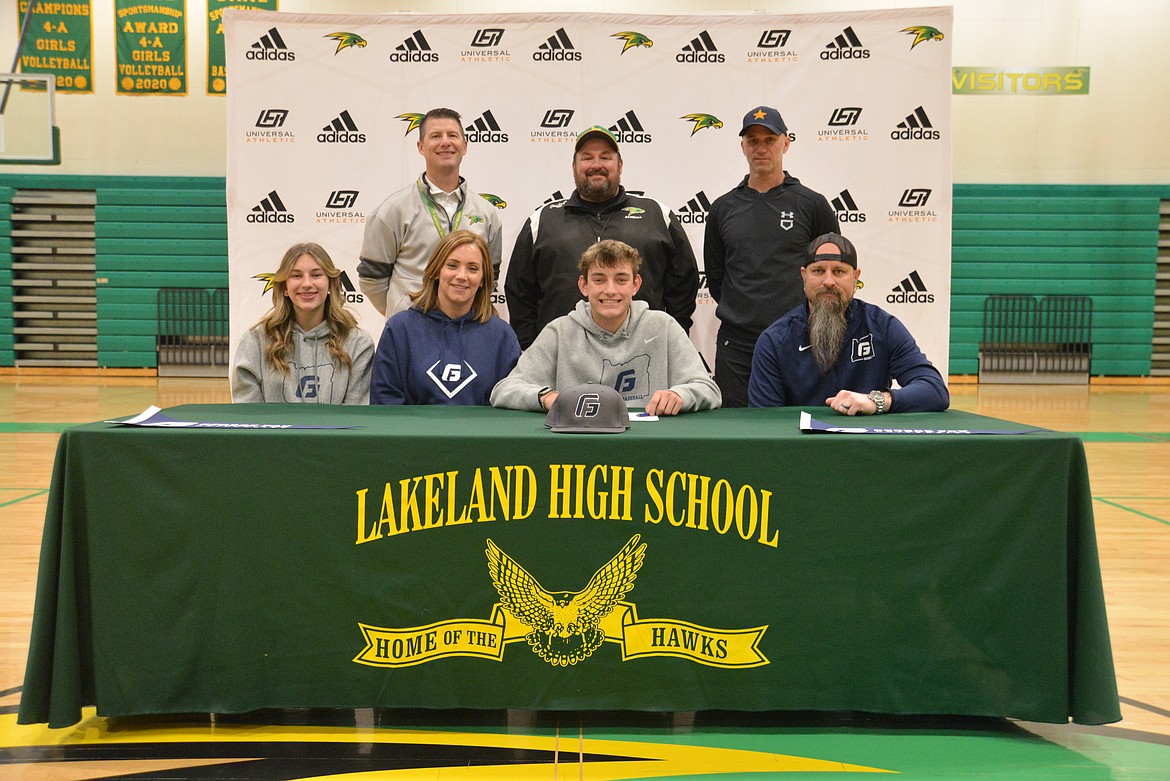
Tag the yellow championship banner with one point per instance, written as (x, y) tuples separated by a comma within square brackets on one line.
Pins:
[(563, 627)]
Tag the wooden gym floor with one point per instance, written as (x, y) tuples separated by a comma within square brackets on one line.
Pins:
[(1126, 430)]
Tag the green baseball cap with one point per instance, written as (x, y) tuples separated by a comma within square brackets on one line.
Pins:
[(600, 132)]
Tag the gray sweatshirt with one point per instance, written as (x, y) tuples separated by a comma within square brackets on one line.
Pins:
[(650, 352), (314, 376)]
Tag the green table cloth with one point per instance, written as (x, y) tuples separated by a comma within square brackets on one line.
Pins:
[(469, 557)]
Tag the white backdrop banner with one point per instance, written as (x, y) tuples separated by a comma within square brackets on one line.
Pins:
[(319, 109)]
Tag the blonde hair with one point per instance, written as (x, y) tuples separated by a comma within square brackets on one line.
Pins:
[(278, 322), (427, 298)]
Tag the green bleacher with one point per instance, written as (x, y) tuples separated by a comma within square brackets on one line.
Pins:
[(1095, 240)]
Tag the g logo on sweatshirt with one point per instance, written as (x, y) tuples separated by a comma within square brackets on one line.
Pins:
[(309, 386)]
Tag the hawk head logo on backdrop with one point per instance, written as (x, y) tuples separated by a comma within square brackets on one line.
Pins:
[(633, 40), (702, 122), (494, 200), (346, 40), (267, 279), (923, 33), (564, 624), (412, 120)]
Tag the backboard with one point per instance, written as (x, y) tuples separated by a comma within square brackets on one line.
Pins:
[(28, 129)]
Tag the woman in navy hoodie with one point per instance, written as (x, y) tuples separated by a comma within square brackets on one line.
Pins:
[(449, 347)]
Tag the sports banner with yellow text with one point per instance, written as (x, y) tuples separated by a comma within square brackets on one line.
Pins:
[(150, 44), (216, 70), (59, 41)]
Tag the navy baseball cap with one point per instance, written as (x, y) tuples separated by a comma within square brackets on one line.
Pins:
[(847, 254), (766, 117), (588, 409)]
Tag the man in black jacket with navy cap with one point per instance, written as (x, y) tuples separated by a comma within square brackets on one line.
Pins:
[(754, 248)]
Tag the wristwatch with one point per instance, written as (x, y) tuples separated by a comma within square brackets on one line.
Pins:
[(879, 399), (540, 394)]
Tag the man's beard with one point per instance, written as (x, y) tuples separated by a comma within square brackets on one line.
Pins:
[(597, 193), (826, 327)]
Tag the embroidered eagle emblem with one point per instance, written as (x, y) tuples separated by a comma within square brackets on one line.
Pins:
[(565, 624)]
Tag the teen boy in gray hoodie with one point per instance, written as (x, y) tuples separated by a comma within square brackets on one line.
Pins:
[(610, 339)]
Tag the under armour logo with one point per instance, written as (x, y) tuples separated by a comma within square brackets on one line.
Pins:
[(787, 220)]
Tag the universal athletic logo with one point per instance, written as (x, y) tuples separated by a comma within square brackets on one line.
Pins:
[(563, 627)]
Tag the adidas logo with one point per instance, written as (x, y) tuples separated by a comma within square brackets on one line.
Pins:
[(695, 210), (628, 130), (558, 48), (912, 290), (846, 46), (271, 209), (700, 49), (486, 130), (915, 127), (414, 49), (270, 47), (846, 208), (342, 130), (352, 296)]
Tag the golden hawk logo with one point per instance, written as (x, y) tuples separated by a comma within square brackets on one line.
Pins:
[(475, 219), (412, 120), (922, 33), (633, 211), (702, 122), (633, 40), (347, 40), (564, 624), (268, 281), (494, 200), (562, 627)]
